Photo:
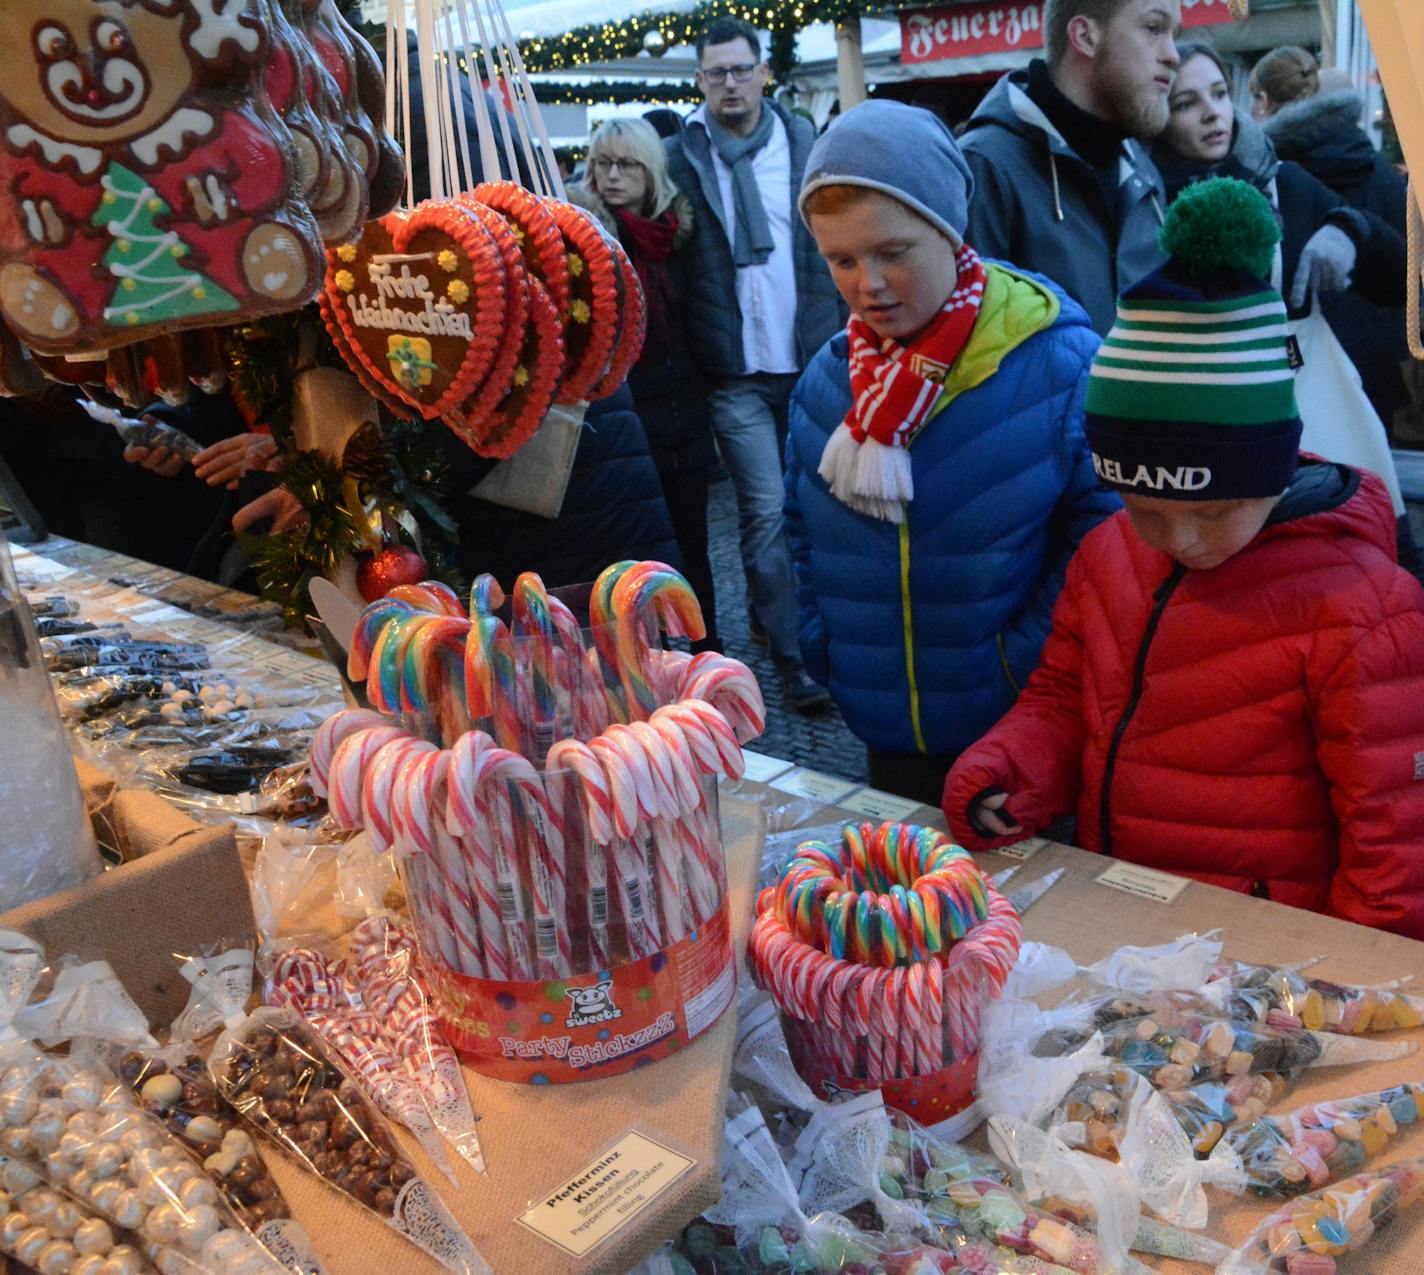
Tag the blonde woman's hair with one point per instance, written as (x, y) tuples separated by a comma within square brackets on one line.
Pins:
[(1286, 74), (641, 141)]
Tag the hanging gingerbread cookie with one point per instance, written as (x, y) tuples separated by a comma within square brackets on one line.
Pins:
[(145, 185)]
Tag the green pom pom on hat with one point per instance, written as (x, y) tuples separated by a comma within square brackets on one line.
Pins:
[(1192, 394), (1218, 225)]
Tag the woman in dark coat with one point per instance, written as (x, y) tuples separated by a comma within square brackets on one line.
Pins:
[(1321, 132), (630, 192), (1326, 245)]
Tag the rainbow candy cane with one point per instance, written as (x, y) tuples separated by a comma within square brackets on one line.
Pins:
[(648, 596), (368, 629), (490, 680), (602, 619), (533, 616)]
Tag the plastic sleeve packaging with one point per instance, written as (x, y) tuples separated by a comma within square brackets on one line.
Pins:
[(1049, 1167), (1308, 1235), (761, 1056), (52, 1233), (1163, 1167), (90, 1008), (1283, 996), (839, 1156), (1294, 1152), (88, 1137), (306, 983), (273, 1069), (386, 976), (1013, 1081), (174, 1086), (760, 1205)]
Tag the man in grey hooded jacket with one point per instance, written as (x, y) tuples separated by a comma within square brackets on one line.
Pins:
[(1063, 184)]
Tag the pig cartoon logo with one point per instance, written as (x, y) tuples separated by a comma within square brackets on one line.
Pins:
[(591, 1005)]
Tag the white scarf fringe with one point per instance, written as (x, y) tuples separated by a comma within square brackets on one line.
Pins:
[(869, 477)]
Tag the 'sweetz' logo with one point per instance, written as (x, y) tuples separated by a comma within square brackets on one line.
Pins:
[(591, 1005)]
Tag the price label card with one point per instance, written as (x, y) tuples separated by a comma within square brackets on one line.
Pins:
[(1144, 883), (874, 804), (815, 784), (760, 768), (606, 1194), (160, 613), (1022, 850)]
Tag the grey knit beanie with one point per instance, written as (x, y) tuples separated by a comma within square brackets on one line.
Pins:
[(902, 151)]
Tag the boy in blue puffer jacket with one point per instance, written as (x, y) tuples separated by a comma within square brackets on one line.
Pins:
[(937, 479)]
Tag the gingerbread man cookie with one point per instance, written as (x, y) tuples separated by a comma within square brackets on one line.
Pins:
[(145, 184)]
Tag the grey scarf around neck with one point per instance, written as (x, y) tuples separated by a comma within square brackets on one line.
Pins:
[(751, 244)]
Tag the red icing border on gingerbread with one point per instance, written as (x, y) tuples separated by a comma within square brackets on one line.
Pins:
[(588, 342), (631, 332), (523, 409), (473, 414), (544, 252), (469, 235)]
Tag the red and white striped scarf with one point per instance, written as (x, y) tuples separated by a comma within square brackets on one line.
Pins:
[(895, 387), (894, 390)]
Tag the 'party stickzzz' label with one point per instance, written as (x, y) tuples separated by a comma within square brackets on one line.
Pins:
[(589, 1025)]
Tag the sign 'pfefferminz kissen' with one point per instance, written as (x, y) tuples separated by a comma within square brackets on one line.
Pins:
[(968, 30)]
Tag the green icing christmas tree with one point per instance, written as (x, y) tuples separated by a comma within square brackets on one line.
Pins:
[(153, 285)]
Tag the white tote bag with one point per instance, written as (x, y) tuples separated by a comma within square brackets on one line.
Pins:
[(1340, 423)]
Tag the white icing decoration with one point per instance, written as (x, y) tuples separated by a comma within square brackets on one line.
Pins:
[(87, 158), (161, 244), (220, 20), (172, 135), (437, 318)]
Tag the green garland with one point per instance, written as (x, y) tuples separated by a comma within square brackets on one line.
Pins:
[(617, 91), (616, 41), (397, 467)]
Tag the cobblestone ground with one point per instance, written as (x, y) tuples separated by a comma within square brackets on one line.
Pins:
[(821, 741)]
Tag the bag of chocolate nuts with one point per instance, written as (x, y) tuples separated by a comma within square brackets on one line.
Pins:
[(292, 1089)]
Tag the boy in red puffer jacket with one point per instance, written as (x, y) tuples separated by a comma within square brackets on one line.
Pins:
[(1233, 689)]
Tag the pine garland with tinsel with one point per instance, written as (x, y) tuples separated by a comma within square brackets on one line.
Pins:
[(388, 473)]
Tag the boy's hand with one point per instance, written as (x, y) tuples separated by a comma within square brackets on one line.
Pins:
[(989, 815)]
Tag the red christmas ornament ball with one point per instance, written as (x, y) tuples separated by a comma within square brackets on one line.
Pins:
[(378, 573)]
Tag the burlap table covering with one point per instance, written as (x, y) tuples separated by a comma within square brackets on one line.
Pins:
[(183, 889), (535, 1138)]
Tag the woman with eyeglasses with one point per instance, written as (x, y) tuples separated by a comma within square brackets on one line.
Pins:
[(629, 190)]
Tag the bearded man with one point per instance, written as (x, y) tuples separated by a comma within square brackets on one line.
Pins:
[(1063, 184)]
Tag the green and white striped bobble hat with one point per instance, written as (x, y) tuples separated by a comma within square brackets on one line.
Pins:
[(1192, 394)]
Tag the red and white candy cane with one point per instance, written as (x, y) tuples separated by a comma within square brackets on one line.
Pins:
[(347, 774), (378, 784), (330, 734), (572, 769), (696, 826), (729, 686), (664, 828), (468, 821), (548, 871), (435, 859), (640, 934), (630, 781), (495, 768)]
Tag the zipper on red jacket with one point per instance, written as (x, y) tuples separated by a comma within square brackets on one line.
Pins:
[(1159, 603)]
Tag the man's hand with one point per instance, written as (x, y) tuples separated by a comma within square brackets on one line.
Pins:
[(225, 462), (285, 510), (159, 460), (988, 813)]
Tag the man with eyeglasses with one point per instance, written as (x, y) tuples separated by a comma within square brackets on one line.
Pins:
[(760, 304)]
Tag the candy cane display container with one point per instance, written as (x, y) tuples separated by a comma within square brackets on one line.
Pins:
[(881, 954), (548, 786)]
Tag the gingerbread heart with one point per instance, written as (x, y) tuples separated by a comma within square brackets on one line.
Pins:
[(594, 280), (419, 300), (632, 328)]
